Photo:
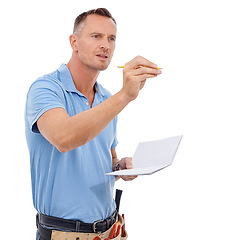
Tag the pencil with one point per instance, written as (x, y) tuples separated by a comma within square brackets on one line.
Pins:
[(124, 66)]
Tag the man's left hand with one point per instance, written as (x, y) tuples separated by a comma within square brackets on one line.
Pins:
[(126, 163)]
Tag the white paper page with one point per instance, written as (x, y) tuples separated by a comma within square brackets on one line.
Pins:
[(152, 156)]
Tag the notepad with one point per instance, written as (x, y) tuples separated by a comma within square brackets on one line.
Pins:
[(152, 156)]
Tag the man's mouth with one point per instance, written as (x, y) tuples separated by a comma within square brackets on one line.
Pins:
[(102, 56)]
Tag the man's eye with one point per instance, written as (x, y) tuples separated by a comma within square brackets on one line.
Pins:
[(95, 36)]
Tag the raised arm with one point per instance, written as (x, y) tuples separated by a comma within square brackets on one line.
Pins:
[(67, 133)]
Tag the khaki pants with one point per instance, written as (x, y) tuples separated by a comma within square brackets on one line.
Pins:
[(59, 235)]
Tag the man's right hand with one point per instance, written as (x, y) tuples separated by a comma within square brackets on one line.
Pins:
[(135, 74)]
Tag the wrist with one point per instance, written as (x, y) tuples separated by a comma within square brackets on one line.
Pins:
[(117, 166), (124, 96)]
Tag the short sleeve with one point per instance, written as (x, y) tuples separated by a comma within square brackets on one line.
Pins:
[(44, 94), (115, 141)]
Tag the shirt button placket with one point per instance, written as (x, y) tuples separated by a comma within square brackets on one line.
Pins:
[(87, 102)]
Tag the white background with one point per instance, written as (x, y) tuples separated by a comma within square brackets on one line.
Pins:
[(194, 42)]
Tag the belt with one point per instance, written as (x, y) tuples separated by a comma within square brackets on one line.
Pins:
[(76, 226)]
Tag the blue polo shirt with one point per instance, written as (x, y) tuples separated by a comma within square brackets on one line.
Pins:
[(70, 185)]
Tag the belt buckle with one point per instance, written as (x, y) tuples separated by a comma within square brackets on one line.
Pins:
[(94, 226)]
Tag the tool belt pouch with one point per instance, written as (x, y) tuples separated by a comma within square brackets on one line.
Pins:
[(122, 221), (125, 236), (60, 235)]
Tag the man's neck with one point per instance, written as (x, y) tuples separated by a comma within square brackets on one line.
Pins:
[(84, 77)]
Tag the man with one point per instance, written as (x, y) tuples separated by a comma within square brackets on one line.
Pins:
[(71, 131)]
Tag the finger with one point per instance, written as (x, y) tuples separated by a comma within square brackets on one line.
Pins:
[(143, 77), (128, 178), (128, 165), (133, 178), (125, 178), (140, 62), (146, 70)]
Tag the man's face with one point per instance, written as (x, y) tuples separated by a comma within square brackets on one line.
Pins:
[(96, 42)]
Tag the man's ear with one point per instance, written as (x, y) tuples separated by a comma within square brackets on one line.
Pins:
[(73, 39)]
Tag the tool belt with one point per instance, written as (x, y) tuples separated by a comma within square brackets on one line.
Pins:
[(77, 230)]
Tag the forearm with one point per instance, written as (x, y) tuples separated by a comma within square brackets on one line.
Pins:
[(77, 130)]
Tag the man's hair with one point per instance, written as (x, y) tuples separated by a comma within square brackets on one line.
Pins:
[(99, 11)]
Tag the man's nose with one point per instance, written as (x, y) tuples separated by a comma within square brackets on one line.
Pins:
[(105, 44)]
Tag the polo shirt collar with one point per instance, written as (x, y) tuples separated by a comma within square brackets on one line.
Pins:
[(99, 89), (68, 83), (66, 79)]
